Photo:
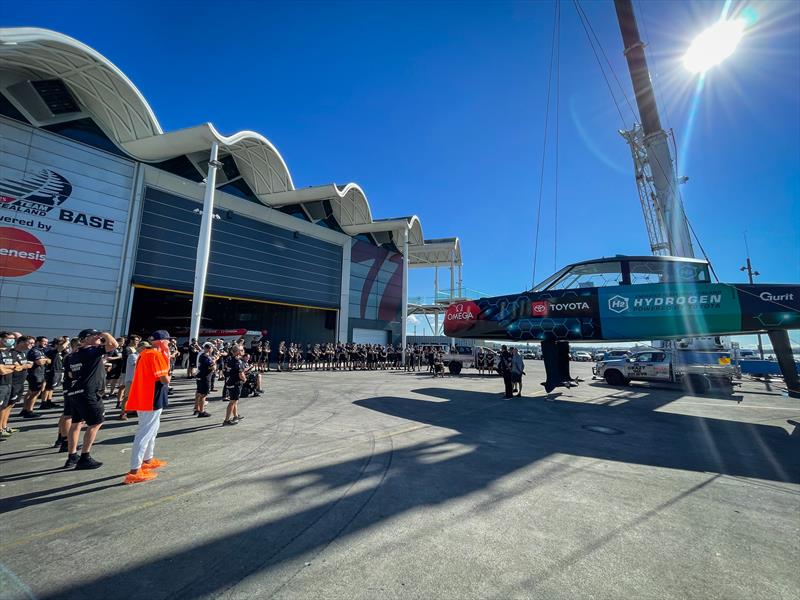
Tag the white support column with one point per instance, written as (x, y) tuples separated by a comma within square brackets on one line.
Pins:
[(460, 283), (344, 297), (204, 243), (452, 273), (404, 322), (436, 298)]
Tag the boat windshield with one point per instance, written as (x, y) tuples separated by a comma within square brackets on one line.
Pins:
[(589, 275), (651, 271)]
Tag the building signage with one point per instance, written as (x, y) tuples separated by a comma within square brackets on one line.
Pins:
[(64, 210), (21, 253), (38, 194)]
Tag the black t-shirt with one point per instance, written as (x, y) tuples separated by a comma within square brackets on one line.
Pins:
[(234, 366), (7, 359), (205, 366), (36, 371), (18, 378), (56, 360), (88, 375)]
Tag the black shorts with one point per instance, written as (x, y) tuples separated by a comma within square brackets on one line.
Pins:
[(35, 384), (234, 391), (203, 385), (87, 409), (67, 406), (16, 392), (52, 380), (5, 395)]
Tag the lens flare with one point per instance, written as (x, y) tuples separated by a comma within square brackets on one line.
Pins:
[(714, 45)]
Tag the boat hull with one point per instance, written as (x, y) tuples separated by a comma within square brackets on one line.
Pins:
[(630, 312)]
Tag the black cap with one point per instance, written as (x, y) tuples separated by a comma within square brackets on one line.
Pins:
[(86, 333), (161, 334)]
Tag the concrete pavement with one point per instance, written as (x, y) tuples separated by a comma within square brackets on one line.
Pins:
[(395, 485)]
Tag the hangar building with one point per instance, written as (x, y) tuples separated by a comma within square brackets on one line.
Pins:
[(100, 214)]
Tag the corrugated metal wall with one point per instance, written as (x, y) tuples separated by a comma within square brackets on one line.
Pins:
[(249, 259), (78, 215)]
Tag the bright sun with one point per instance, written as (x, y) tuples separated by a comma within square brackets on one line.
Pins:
[(714, 45)]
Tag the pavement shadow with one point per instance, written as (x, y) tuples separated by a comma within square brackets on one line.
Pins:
[(483, 439), (82, 488), (128, 439)]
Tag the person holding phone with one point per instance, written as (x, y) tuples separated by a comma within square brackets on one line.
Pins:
[(88, 381)]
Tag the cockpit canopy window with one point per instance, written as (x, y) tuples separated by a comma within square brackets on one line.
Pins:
[(601, 274), (650, 271), (626, 272)]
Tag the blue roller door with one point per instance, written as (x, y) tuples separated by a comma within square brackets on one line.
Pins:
[(249, 259)]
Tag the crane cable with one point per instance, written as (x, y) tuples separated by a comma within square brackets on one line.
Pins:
[(556, 18)]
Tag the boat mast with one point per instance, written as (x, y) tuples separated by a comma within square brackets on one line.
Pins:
[(666, 222)]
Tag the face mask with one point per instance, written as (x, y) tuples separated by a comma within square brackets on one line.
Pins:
[(10, 342)]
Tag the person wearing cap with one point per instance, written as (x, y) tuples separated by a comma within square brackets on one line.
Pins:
[(148, 396), (205, 374), (233, 385), (87, 382)]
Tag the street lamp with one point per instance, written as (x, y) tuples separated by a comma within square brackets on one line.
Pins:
[(714, 45)]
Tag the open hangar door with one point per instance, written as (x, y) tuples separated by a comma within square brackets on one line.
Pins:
[(370, 336), (167, 309)]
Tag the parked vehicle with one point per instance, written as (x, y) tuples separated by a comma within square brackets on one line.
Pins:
[(667, 367), (457, 358), (582, 356)]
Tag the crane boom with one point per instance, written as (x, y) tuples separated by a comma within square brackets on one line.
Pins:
[(664, 216)]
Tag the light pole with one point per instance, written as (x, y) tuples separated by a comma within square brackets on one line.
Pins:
[(750, 274)]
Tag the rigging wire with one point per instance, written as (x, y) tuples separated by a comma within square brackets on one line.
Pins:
[(544, 144), (605, 56), (558, 110), (599, 64)]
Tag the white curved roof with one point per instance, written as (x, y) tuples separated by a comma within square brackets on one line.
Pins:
[(120, 109)]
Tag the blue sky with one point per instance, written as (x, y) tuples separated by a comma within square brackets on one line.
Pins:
[(437, 109)]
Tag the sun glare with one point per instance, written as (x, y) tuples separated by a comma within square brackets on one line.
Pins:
[(714, 45)]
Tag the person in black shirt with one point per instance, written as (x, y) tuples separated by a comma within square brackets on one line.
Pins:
[(114, 363), (85, 392), (205, 371), (233, 384), (10, 367), (194, 352), (20, 352), (53, 375), (54, 370), (504, 367), (35, 375)]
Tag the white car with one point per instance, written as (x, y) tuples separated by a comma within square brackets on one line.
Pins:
[(583, 356)]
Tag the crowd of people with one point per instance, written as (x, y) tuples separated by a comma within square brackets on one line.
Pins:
[(94, 367), (294, 356)]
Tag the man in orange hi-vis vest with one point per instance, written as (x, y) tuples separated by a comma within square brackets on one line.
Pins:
[(148, 396)]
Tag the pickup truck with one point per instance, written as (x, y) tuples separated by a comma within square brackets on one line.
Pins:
[(665, 366)]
